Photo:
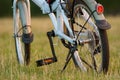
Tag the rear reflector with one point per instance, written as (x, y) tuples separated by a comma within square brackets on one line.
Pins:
[(99, 9)]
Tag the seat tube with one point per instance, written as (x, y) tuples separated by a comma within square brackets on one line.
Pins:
[(59, 21), (25, 15)]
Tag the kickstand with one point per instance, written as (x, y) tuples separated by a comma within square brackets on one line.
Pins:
[(69, 56)]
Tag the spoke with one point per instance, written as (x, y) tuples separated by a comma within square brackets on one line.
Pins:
[(86, 62), (94, 63), (85, 24), (80, 25)]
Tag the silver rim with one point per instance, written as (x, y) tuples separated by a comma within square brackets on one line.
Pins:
[(18, 43), (85, 53)]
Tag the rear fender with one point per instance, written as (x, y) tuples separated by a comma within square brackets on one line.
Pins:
[(100, 19)]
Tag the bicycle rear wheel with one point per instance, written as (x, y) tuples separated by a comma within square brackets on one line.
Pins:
[(93, 49), (22, 49)]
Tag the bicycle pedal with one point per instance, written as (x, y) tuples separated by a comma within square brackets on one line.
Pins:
[(46, 61)]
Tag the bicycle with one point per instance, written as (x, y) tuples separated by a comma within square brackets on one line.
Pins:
[(79, 24)]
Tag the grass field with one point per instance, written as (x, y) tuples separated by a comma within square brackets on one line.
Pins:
[(10, 70)]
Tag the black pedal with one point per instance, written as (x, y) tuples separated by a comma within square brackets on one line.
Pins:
[(46, 61)]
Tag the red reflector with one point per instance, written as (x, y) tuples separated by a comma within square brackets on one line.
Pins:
[(99, 9)]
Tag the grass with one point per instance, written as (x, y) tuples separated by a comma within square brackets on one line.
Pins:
[(11, 70)]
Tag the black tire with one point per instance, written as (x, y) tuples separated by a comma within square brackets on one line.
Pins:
[(97, 58), (27, 54), (105, 49)]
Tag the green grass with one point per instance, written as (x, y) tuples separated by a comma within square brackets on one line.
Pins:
[(11, 70)]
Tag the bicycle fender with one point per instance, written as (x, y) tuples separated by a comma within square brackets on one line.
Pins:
[(100, 19)]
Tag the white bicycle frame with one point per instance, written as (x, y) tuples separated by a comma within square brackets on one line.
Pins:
[(57, 20), (58, 24)]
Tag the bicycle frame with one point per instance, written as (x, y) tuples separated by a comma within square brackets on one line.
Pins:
[(59, 19), (56, 20)]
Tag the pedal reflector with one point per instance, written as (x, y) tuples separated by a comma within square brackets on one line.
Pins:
[(46, 61)]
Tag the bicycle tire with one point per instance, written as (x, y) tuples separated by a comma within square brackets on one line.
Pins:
[(82, 59), (22, 49)]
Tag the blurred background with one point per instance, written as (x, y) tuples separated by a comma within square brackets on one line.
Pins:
[(10, 70), (112, 7)]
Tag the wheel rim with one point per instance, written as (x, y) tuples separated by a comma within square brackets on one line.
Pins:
[(17, 36), (91, 40)]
